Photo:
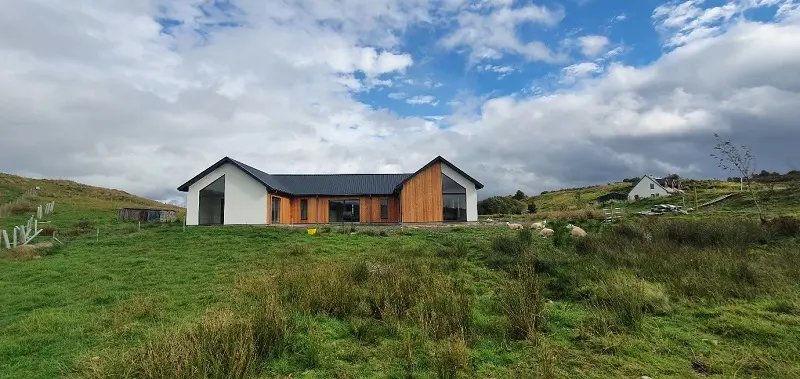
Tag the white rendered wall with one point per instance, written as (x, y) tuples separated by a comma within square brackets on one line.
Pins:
[(472, 193), (643, 189), (245, 197)]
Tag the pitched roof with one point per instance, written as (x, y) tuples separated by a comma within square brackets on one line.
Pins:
[(327, 184), (342, 184), (440, 159)]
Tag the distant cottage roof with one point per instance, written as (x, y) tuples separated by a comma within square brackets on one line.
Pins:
[(327, 184)]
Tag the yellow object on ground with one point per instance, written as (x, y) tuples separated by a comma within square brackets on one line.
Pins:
[(312, 231)]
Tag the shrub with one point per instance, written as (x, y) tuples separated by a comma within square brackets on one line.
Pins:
[(628, 298), (507, 250), (221, 345), (453, 247), (21, 208), (445, 310), (137, 308), (322, 290), (523, 304), (451, 358), (307, 347), (784, 226), (270, 328), (298, 250), (369, 330)]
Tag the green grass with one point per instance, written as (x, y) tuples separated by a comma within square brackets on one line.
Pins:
[(663, 297), (780, 198)]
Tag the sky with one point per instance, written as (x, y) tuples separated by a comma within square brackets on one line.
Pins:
[(531, 95)]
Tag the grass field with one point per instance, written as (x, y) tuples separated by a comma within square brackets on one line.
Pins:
[(780, 197), (665, 298)]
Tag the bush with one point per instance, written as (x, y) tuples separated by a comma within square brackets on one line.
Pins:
[(453, 247), (501, 204), (445, 310), (507, 250), (21, 208), (784, 226), (523, 304), (369, 330), (221, 345), (629, 298), (451, 358)]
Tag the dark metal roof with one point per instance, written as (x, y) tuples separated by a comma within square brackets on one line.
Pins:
[(326, 184), (342, 184)]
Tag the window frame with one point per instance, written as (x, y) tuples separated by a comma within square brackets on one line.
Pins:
[(384, 208), (304, 209)]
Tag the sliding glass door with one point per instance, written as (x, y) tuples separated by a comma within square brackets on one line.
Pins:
[(344, 211)]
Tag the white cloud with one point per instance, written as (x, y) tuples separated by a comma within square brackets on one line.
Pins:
[(490, 30), (503, 71), (621, 17), (592, 46), (427, 99), (688, 21), (96, 92), (397, 95), (575, 72)]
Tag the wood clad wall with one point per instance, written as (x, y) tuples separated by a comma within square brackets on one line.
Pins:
[(371, 209), (318, 209), (421, 196), (286, 209)]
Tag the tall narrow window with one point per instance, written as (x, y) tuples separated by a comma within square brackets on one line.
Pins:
[(454, 199), (304, 209), (652, 186), (384, 208), (276, 210)]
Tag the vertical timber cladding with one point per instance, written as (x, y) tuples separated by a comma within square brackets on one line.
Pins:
[(317, 210), (285, 209), (421, 196), (369, 206)]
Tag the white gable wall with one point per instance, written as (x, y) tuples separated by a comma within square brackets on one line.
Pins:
[(472, 192), (647, 187), (245, 197)]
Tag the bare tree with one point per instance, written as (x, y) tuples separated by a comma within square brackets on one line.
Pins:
[(738, 159)]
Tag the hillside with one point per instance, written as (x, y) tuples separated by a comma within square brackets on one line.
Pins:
[(74, 201), (361, 302), (780, 195)]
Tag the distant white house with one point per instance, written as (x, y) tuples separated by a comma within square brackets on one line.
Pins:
[(649, 186)]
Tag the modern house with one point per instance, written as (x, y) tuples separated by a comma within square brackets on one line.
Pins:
[(231, 192), (650, 186)]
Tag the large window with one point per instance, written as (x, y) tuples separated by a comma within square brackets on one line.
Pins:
[(454, 199), (211, 207), (384, 208), (304, 209), (276, 210), (344, 211)]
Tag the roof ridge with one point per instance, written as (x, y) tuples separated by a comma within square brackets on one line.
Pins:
[(391, 173)]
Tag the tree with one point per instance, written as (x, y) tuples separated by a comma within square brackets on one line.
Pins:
[(519, 195), (738, 159), (673, 176), (500, 205), (532, 207)]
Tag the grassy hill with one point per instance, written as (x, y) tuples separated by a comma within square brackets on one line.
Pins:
[(780, 196), (662, 297), (74, 202)]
